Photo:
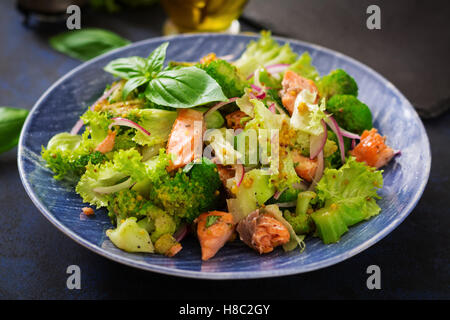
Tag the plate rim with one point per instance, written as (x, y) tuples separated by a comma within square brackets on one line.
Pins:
[(238, 274)]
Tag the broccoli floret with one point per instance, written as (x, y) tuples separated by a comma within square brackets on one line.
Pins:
[(301, 221), (227, 76), (337, 82), (350, 113), (157, 222), (124, 204), (128, 203), (186, 195), (129, 236)]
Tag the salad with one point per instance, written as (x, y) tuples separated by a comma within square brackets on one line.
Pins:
[(261, 149)]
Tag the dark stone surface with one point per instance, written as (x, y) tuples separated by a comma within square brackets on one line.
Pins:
[(411, 50)]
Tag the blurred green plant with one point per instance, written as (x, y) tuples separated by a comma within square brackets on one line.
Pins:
[(11, 122), (85, 44), (117, 5)]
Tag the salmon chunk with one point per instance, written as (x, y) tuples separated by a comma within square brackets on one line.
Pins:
[(372, 149), (214, 229), (108, 143), (305, 167), (262, 232), (187, 131), (293, 84), (234, 119)]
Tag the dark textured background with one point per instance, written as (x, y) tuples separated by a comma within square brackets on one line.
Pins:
[(411, 50)]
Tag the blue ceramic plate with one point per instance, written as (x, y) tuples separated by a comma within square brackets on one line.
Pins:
[(59, 108)]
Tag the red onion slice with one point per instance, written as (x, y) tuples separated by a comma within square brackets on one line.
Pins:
[(272, 108), (277, 68), (261, 95), (353, 144), (219, 105), (279, 193), (76, 128), (348, 134), (240, 172), (128, 123), (287, 204), (334, 126), (316, 143), (181, 232), (256, 87), (319, 171)]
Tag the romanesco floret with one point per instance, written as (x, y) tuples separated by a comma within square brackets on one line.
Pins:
[(227, 76), (186, 195), (337, 82), (350, 113)]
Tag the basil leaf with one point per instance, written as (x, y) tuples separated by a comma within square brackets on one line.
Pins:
[(156, 59), (132, 84), (127, 68), (11, 121), (85, 44), (184, 88)]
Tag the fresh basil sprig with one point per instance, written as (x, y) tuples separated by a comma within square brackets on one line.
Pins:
[(11, 121), (184, 87)]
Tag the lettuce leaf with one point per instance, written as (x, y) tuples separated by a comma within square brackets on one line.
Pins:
[(156, 121), (97, 124), (266, 51), (309, 120), (285, 177), (349, 195), (304, 68), (67, 155), (125, 168)]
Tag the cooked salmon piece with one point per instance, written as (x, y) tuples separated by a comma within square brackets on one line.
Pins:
[(88, 211), (187, 130), (108, 143), (214, 229), (304, 166), (372, 149), (262, 232), (293, 84), (174, 250), (234, 119)]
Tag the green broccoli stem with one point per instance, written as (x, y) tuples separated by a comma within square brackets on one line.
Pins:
[(303, 200), (301, 221)]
